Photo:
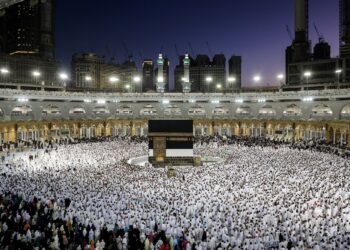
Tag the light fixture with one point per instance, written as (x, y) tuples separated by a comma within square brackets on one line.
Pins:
[(101, 101), (36, 73), (239, 101), (165, 101), (231, 79), (63, 76), (4, 71), (137, 79), (88, 78), (308, 99), (113, 79), (257, 78), (22, 99), (280, 76), (307, 74), (209, 79)]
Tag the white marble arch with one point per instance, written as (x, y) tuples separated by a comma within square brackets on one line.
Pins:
[(196, 110), (22, 110), (148, 110), (172, 110), (292, 110), (51, 110), (321, 110), (124, 110), (267, 110), (77, 110), (220, 110), (100, 110), (243, 110)]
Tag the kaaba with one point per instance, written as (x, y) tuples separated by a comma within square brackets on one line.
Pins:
[(170, 143)]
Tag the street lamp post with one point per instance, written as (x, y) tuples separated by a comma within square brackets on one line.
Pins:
[(4, 72), (231, 80), (257, 79), (307, 75), (64, 77), (218, 87), (113, 79), (209, 80), (127, 87), (137, 80), (338, 72), (280, 77), (87, 79), (36, 74)]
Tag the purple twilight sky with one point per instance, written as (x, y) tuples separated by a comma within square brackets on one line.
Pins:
[(254, 29)]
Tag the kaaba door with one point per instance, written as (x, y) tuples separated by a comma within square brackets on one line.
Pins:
[(159, 149)]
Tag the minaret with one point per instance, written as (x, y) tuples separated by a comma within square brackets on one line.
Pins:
[(160, 81), (186, 84)]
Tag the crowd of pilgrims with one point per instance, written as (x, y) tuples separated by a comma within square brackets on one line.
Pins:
[(262, 195)]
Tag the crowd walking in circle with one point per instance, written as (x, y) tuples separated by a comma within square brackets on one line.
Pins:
[(262, 196)]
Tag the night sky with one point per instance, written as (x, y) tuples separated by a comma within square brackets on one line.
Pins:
[(254, 29)]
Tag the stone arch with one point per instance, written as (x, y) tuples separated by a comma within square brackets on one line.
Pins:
[(100, 110), (243, 110), (77, 110), (22, 110), (51, 110), (220, 110), (321, 110), (172, 110), (267, 110), (124, 110), (196, 110), (292, 110), (148, 110), (345, 112)]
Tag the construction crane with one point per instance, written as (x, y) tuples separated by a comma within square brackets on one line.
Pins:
[(176, 51), (191, 49), (289, 33), (320, 36), (209, 49), (141, 57), (128, 54)]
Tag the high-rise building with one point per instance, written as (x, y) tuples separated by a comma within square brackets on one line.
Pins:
[(86, 71), (204, 75), (147, 75), (27, 42), (21, 69), (344, 28), (300, 59), (91, 72), (28, 28), (234, 73)]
